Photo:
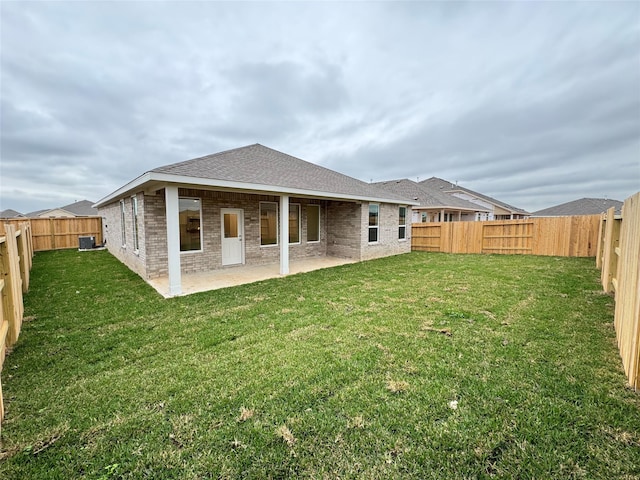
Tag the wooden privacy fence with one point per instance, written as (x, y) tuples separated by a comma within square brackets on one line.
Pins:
[(59, 233), (560, 236), (618, 257), (16, 256)]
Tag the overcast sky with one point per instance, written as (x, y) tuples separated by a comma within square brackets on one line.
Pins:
[(532, 103)]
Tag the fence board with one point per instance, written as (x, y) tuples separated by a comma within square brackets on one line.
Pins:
[(15, 261), (626, 278), (558, 236), (58, 233)]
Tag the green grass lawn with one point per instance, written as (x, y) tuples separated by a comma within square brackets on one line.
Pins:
[(417, 366)]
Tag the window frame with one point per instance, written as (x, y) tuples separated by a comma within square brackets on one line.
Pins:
[(134, 223), (267, 245), (298, 207), (201, 249), (375, 227), (123, 224), (317, 207), (402, 225)]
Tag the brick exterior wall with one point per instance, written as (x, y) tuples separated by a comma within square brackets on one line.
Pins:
[(343, 232), (344, 221), (135, 260), (388, 242)]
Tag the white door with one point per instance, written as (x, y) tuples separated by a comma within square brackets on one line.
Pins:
[(232, 236)]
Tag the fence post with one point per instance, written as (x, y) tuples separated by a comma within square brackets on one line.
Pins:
[(21, 242), (600, 247), (12, 291), (610, 258)]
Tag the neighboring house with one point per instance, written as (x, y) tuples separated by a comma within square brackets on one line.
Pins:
[(248, 206), (497, 210), (9, 213), (583, 206), (83, 208), (434, 206)]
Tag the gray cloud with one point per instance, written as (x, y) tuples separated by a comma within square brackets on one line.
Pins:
[(532, 103)]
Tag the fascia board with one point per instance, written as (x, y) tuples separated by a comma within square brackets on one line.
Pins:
[(195, 182)]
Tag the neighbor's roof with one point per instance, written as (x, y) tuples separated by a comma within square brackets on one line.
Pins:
[(583, 206), (427, 198), (448, 187), (260, 169), (81, 208), (9, 213)]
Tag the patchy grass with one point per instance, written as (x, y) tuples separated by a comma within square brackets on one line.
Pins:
[(417, 366)]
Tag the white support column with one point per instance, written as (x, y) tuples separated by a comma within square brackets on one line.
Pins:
[(284, 234), (173, 240)]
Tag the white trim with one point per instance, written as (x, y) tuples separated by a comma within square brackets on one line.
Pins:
[(201, 249), (316, 205), (400, 225), (240, 213), (284, 234), (195, 182), (299, 223), (277, 229), (135, 230), (123, 224), (172, 207), (376, 226)]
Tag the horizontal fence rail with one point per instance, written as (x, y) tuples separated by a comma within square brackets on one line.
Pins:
[(559, 236), (16, 257), (59, 233), (618, 258)]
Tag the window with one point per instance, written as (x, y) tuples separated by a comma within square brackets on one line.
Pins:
[(374, 213), (123, 225), (313, 223), (190, 231), (268, 223), (294, 223), (134, 218), (402, 223), (424, 217)]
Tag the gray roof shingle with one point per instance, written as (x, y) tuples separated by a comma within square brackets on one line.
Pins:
[(83, 208), (582, 206), (10, 213), (448, 187), (260, 165), (427, 197)]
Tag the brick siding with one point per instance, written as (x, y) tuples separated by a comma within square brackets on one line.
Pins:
[(343, 232)]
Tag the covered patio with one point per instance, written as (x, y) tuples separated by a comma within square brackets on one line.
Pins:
[(239, 275)]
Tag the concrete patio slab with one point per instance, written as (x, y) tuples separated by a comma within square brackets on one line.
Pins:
[(239, 275)]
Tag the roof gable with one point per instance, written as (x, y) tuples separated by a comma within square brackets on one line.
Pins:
[(10, 213), (448, 187), (81, 208), (259, 168), (429, 197)]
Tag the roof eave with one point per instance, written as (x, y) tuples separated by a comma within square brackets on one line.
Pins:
[(165, 178)]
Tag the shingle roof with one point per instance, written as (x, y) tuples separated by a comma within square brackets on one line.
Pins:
[(582, 206), (81, 208), (260, 165), (448, 187), (10, 213), (427, 197)]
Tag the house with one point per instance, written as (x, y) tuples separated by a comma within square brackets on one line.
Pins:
[(83, 208), (248, 206), (497, 210), (434, 205), (9, 213), (582, 206)]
